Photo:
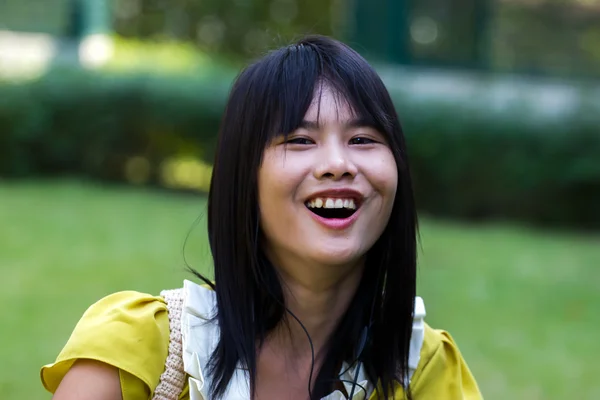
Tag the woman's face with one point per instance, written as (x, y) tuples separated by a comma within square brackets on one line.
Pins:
[(325, 195)]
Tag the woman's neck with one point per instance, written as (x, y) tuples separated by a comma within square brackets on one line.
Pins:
[(317, 296), (318, 301)]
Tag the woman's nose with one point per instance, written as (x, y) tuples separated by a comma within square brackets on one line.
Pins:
[(334, 163)]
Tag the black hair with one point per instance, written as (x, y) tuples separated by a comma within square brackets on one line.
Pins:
[(270, 97)]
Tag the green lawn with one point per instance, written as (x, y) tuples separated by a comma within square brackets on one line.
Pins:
[(523, 305)]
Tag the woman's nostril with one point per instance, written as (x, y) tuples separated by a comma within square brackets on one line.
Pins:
[(331, 175)]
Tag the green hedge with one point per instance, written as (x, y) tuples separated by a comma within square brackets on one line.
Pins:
[(479, 146), (72, 121), (507, 147)]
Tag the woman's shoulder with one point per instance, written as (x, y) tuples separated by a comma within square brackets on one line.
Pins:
[(128, 330), (442, 370), (129, 304), (434, 340)]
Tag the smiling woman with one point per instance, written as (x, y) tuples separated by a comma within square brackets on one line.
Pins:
[(312, 228), (344, 171)]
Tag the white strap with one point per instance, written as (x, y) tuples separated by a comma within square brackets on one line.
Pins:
[(172, 379)]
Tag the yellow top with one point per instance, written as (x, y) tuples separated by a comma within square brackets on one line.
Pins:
[(130, 331)]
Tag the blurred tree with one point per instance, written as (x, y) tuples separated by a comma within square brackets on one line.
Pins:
[(76, 25), (424, 32), (236, 27), (554, 37), (551, 37), (62, 18), (43, 16), (95, 14), (380, 29), (449, 32)]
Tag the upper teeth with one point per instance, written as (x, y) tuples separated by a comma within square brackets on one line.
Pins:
[(331, 203)]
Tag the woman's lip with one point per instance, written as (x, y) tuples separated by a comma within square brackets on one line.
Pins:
[(336, 223)]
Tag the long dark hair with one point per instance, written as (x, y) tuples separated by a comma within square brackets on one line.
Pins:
[(271, 97)]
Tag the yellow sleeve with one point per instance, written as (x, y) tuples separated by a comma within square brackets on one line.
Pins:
[(442, 372), (128, 330)]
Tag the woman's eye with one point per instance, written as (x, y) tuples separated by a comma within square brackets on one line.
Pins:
[(361, 140), (299, 140)]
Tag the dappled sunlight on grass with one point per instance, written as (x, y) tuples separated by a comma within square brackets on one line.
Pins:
[(157, 56), (186, 173)]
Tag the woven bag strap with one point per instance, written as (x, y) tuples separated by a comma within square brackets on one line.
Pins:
[(172, 379)]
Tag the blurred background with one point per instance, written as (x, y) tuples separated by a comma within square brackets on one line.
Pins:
[(109, 111)]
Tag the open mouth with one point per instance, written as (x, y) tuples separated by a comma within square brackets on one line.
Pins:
[(333, 208)]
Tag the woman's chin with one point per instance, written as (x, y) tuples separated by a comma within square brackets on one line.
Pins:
[(336, 256)]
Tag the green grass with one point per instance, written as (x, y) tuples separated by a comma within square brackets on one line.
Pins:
[(522, 304)]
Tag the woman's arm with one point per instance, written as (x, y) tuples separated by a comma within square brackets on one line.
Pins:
[(127, 334), (90, 380)]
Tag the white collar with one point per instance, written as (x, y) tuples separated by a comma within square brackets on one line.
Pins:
[(200, 337)]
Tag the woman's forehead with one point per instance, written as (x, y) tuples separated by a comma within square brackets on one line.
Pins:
[(329, 106)]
